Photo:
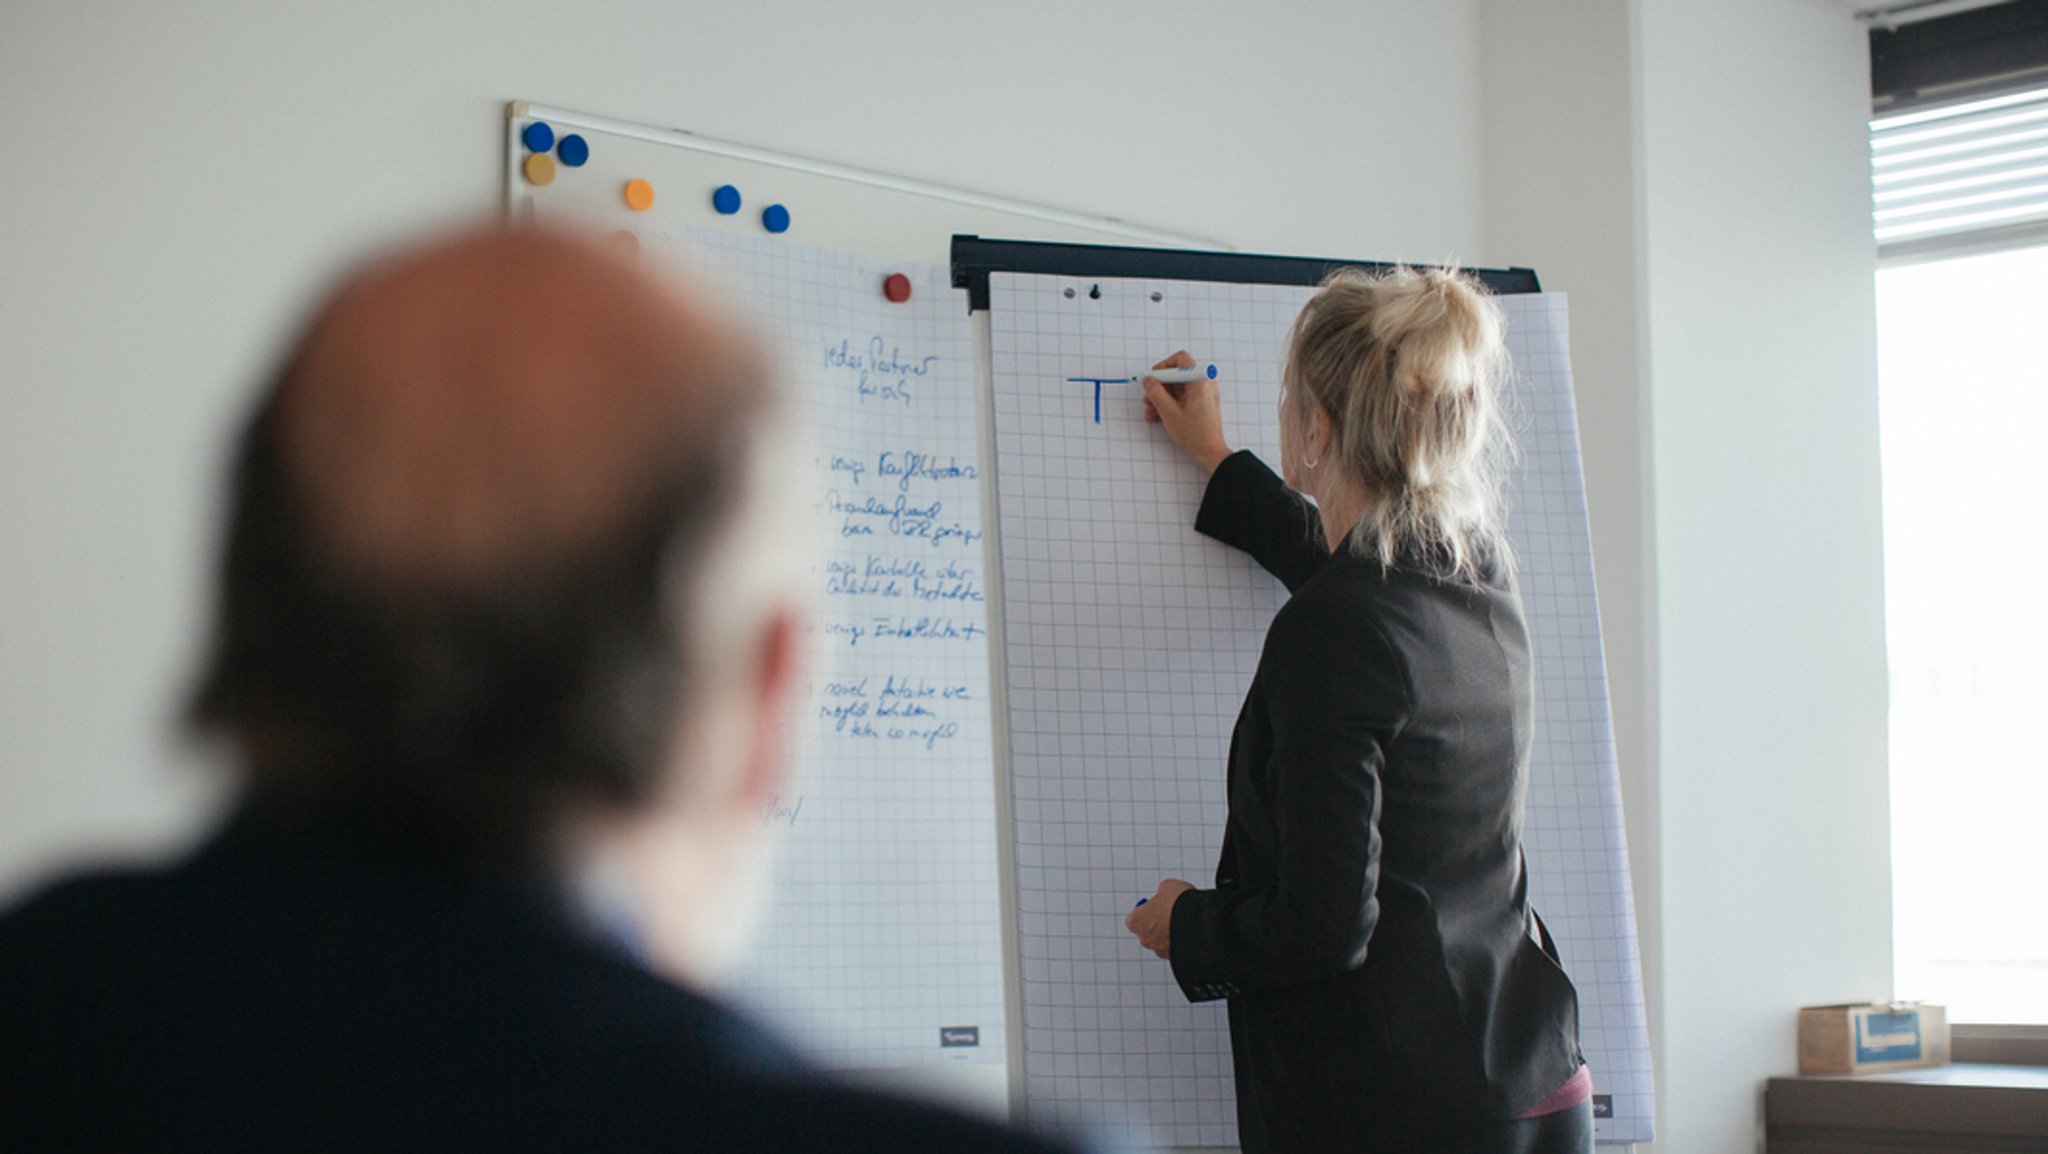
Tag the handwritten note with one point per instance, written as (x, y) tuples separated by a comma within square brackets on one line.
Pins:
[(882, 945), (881, 371)]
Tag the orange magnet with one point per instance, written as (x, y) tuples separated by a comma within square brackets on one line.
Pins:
[(639, 195), (539, 169)]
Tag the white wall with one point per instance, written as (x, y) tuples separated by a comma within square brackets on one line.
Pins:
[(183, 177), (1771, 824)]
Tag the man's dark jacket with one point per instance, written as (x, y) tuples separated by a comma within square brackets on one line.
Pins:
[(307, 983)]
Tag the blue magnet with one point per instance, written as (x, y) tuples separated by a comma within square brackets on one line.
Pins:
[(538, 137), (573, 150), (775, 218), (726, 200)]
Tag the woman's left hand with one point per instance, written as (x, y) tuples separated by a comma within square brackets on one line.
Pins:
[(1152, 921)]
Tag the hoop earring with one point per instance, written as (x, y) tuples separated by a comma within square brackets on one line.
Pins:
[(1310, 464)]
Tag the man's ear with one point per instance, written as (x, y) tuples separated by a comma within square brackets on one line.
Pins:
[(776, 681)]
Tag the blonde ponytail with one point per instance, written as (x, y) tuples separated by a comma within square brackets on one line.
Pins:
[(1411, 367)]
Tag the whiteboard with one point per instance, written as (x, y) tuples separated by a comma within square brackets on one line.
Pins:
[(863, 225), (1128, 643)]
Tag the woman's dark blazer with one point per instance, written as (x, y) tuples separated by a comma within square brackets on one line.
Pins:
[(1371, 889)]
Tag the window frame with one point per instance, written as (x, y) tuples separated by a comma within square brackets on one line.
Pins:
[(1999, 1045)]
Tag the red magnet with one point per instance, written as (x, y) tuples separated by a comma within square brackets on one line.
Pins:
[(897, 287)]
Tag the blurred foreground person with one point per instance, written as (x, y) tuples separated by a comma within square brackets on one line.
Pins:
[(508, 621)]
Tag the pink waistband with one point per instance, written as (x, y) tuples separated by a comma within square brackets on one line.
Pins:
[(1576, 1089)]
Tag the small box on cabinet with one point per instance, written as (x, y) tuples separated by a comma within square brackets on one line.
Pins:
[(1857, 1038)]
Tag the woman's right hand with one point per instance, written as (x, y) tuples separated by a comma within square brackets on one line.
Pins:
[(1192, 414)]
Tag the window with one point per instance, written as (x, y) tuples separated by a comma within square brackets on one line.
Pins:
[(1959, 192), (1963, 388)]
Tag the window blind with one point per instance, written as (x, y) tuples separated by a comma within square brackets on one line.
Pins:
[(1962, 175)]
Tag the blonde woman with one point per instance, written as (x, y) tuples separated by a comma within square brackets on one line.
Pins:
[(1390, 987)]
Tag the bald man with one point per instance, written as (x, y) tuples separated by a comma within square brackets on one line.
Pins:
[(508, 621)]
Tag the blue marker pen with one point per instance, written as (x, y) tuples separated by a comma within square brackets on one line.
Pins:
[(1179, 376), (1141, 901)]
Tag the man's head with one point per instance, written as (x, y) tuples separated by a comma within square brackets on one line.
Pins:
[(501, 561)]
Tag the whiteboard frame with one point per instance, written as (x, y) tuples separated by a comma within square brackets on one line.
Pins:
[(969, 211)]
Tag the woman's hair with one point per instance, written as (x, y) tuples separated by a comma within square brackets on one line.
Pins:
[(1411, 365)]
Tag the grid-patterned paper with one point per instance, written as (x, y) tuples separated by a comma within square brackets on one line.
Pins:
[(1129, 640), (882, 944), (1578, 851)]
